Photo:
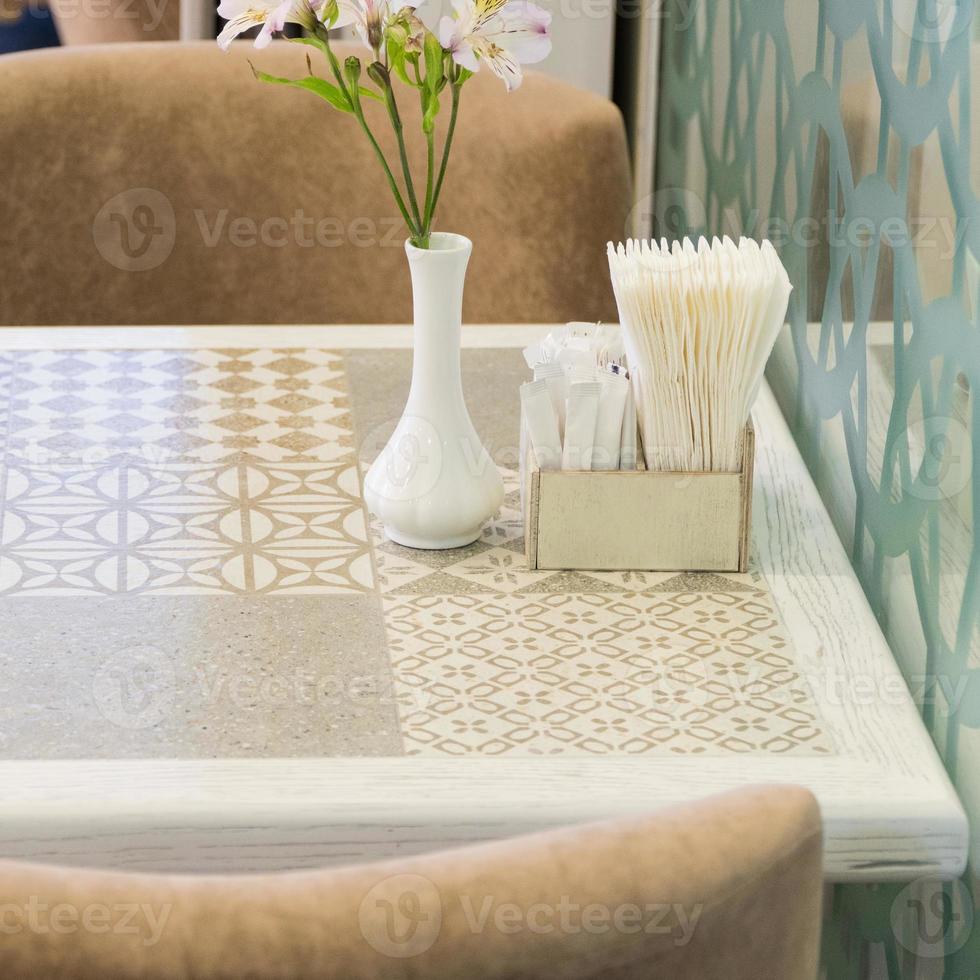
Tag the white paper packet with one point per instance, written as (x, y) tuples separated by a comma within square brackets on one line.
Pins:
[(541, 423), (602, 342), (609, 423), (554, 374), (627, 445), (581, 415)]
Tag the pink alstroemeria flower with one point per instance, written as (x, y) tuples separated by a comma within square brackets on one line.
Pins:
[(503, 33), (273, 15), (370, 18)]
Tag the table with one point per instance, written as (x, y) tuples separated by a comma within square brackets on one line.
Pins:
[(213, 660)]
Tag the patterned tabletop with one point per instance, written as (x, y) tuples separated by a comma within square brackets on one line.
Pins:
[(187, 570)]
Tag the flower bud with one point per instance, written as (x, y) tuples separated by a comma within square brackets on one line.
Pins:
[(379, 75), (416, 33), (352, 69), (375, 31)]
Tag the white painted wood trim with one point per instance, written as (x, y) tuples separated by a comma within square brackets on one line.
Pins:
[(368, 336), (890, 813), (197, 20), (646, 107)]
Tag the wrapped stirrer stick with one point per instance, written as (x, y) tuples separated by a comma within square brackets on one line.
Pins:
[(699, 324)]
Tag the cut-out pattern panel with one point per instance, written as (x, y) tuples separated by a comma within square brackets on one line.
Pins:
[(847, 133)]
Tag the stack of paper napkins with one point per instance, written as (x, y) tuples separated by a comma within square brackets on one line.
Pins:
[(699, 323), (579, 412)]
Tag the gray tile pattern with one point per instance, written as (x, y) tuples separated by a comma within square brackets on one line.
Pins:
[(194, 678)]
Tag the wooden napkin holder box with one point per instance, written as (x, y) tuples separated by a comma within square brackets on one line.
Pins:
[(639, 520)]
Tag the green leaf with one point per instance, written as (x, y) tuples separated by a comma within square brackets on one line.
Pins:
[(318, 86), (312, 40), (315, 42), (430, 109), (463, 75), (434, 63), (396, 61)]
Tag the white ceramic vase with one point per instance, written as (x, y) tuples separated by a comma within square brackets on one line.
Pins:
[(434, 486)]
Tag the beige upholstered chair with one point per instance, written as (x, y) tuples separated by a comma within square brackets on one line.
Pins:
[(727, 889), (160, 183)]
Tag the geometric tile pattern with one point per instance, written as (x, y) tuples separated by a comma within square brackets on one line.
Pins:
[(168, 406), (179, 472), (490, 658), (184, 528)]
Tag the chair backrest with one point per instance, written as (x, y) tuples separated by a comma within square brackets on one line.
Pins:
[(727, 889), (161, 183)]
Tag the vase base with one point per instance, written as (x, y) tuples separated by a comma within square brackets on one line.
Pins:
[(432, 544)]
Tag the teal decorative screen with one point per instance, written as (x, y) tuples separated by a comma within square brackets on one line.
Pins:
[(845, 131)]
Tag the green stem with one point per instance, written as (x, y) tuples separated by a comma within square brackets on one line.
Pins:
[(355, 96), (396, 124), (335, 65), (430, 167), (431, 209)]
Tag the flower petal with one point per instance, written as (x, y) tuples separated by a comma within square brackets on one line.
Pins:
[(230, 9), (464, 54), (528, 14), (500, 61), (525, 31), (276, 21), (527, 47), (486, 10), (447, 33), (452, 39), (235, 26), (348, 12)]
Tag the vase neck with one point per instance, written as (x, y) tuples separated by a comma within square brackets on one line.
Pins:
[(438, 277)]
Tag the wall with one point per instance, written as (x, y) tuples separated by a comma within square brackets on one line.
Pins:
[(847, 132)]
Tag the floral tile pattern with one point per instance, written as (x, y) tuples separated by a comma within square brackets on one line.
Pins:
[(490, 658), (597, 673)]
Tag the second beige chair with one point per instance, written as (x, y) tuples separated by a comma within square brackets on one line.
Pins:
[(727, 889), (161, 183)]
